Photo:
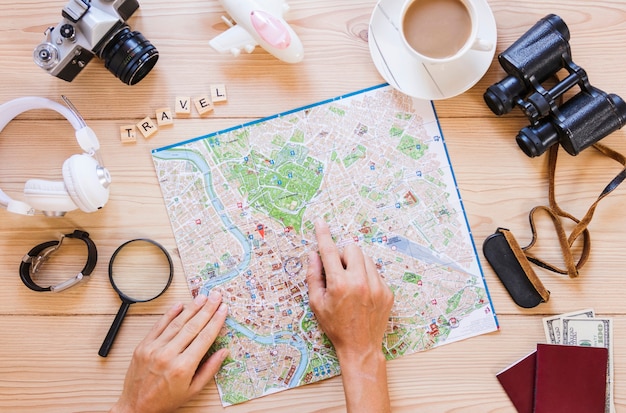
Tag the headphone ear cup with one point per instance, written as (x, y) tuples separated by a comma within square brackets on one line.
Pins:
[(83, 183), (49, 196)]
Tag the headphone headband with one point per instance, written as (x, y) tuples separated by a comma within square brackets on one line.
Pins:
[(86, 138), (57, 198), (15, 107)]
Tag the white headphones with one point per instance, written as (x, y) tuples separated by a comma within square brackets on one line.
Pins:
[(85, 182)]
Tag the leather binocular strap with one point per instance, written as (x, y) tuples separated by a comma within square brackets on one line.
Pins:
[(556, 214)]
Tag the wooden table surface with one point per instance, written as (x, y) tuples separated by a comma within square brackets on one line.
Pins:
[(49, 342)]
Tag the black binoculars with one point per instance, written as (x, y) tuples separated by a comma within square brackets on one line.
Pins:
[(530, 62)]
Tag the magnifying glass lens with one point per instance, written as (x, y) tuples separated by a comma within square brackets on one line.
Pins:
[(141, 270)]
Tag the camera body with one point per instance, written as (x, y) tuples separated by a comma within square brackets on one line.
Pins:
[(529, 62), (96, 28)]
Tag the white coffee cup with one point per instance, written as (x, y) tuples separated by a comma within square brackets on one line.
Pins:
[(441, 31)]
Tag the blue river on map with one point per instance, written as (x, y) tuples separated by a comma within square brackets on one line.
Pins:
[(282, 337)]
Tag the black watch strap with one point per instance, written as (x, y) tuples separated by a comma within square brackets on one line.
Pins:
[(32, 262)]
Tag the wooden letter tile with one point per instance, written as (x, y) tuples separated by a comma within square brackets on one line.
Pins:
[(183, 106), (147, 127), (218, 93), (203, 105), (127, 134), (164, 117)]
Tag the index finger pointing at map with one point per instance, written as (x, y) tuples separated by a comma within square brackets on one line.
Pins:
[(328, 250)]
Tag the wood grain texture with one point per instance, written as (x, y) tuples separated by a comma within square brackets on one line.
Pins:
[(49, 343)]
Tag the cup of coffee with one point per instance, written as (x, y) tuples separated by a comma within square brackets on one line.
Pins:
[(441, 31)]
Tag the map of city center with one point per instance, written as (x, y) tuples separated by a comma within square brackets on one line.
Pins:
[(374, 165)]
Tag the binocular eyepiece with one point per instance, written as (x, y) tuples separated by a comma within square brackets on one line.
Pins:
[(530, 62)]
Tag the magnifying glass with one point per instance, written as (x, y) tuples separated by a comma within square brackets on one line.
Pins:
[(140, 270)]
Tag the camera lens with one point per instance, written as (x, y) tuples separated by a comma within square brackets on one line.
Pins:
[(129, 56)]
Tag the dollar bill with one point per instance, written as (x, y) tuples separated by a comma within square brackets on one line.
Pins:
[(553, 325), (595, 332)]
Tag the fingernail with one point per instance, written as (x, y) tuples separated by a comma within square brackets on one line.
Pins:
[(200, 299), (225, 352), (215, 297), (223, 308), (319, 222), (177, 307)]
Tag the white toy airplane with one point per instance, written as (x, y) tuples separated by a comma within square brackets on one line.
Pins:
[(258, 23)]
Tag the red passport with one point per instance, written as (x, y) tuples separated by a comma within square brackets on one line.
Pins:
[(518, 381), (558, 379), (570, 379)]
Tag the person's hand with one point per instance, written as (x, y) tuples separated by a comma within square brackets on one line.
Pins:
[(165, 369), (348, 296), (352, 304)]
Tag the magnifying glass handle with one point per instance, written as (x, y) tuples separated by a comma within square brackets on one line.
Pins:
[(108, 340)]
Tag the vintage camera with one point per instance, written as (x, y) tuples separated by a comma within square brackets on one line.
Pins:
[(530, 62), (96, 28)]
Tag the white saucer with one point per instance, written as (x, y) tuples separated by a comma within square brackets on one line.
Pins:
[(411, 75)]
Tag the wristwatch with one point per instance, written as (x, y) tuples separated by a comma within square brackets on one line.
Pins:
[(38, 255)]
